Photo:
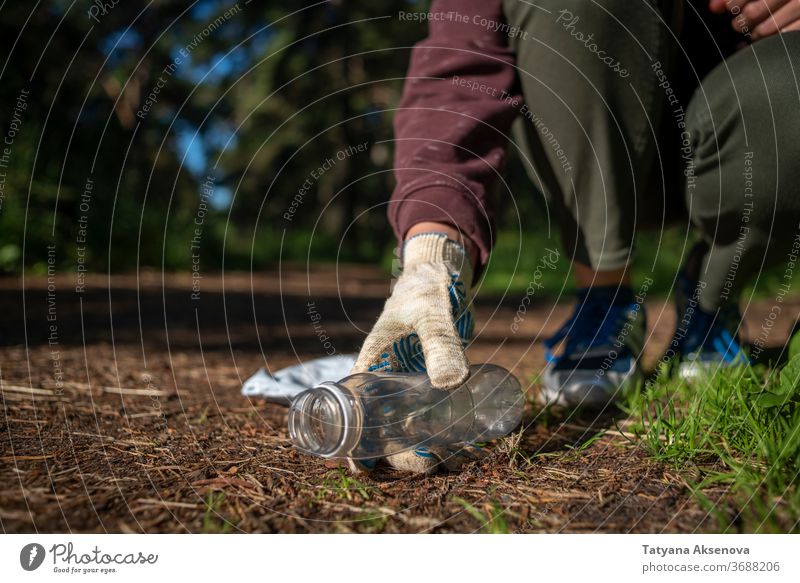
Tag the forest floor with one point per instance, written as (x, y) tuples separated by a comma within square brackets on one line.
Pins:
[(122, 412)]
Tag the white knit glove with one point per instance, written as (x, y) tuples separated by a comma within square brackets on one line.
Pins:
[(425, 326)]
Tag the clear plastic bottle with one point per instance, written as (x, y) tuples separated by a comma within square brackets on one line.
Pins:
[(369, 415)]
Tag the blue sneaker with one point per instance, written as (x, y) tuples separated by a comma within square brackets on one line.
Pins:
[(602, 343), (703, 341)]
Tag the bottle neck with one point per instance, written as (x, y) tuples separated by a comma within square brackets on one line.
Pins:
[(324, 421)]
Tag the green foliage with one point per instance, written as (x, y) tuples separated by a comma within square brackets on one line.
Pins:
[(257, 100), (737, 429)]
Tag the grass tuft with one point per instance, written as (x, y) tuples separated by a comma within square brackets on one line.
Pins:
[(735, 435), (341, 485), (213, 521), (492, 521)]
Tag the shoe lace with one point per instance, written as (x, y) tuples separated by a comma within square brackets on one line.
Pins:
[(713, 333), (592, 324)]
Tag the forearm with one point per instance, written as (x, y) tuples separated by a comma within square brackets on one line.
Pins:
[(452, 125)]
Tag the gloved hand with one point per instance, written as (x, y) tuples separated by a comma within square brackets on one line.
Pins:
[(425, 325)]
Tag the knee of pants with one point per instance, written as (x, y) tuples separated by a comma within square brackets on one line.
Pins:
[(742, 127), (748, 89)]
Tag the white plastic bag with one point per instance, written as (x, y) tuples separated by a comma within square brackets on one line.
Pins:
[(285, 384)]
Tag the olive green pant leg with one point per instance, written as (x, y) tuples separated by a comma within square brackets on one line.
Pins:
[(744, 191), (593, 114)]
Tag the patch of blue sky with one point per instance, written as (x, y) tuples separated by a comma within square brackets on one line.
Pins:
[(190, 146)]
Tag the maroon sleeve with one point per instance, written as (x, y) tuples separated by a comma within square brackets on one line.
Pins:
[(451, 128)]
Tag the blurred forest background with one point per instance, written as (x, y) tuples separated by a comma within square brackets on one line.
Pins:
[(121, 114), (249, 94)]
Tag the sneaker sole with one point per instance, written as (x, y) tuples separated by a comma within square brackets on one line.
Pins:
[(584, 389)]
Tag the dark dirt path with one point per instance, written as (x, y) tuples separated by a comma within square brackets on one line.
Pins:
[(121, 412)]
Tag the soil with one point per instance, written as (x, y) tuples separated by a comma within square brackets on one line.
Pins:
[(121, 412)]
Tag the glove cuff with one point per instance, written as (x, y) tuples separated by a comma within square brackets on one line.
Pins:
[(437, 248)]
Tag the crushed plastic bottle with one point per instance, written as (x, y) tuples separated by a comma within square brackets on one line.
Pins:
[(370, 415)]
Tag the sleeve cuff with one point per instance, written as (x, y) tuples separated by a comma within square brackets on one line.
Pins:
[(449, 206)]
